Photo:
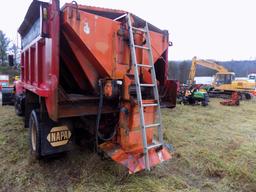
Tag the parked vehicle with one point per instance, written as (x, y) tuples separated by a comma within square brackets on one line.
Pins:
[(192, 95), (90, 73), (4, 81)]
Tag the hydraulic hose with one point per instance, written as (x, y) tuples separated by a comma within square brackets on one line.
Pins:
[(98, 134)]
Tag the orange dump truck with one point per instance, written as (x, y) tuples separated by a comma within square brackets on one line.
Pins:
[(94, 75)]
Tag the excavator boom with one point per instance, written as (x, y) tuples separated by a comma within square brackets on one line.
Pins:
[(224, 80), (207, 64)]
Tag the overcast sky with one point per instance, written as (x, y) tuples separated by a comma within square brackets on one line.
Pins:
[(209, 29)]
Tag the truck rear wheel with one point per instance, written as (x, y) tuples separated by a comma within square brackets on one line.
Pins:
[(35, 135), (205, 100), (247, 96), (204, 103)]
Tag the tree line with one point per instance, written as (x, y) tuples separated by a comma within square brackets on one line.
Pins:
[(9, 51)]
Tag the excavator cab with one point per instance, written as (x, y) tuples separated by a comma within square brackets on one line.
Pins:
[(252, 77), (224, 78)]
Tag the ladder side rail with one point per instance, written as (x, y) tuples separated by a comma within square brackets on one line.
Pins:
[(153, 76), (138, 91)]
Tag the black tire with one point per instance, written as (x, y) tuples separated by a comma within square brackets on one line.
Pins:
[(191, 100), (206, 100), (247, 96), (18, 108), (35, 135), (204, 103)]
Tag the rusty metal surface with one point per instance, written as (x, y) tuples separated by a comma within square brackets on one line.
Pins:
[(100, 38), (134, 162), (168, 94), (76, 110)]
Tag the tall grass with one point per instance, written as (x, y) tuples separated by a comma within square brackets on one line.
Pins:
[(215, 150)]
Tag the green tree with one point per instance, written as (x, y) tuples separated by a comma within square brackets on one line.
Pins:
[(16, 54), (4, 43)]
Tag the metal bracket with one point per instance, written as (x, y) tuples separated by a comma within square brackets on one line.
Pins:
[(74, 5)]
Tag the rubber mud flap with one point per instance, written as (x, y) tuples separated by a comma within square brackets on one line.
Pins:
[(55, 138)]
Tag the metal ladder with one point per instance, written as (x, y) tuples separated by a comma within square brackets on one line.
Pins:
[(142, 105)]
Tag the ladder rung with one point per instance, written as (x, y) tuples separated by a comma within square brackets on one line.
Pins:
[(147, 85), (154, 146), (152, 125), (120, 17), (139, 29), (141, 47), (143, 65), (150, 105)]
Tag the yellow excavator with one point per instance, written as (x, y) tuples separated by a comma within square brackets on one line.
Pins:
[(224, 82)]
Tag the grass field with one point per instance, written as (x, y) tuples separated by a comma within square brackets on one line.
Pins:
[(215, 150)]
